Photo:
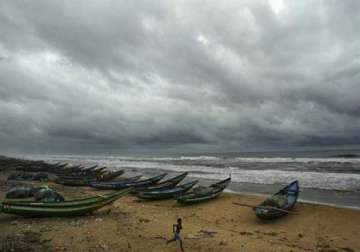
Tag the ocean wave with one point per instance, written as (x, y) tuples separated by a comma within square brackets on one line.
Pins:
[(328, 181), (199, 158), (183, 158), (250, 170), (318, 180), (296, 160)]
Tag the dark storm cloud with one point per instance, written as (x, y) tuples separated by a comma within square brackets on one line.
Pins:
[(188, 75)]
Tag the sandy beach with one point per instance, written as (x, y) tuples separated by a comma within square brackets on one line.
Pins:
[(130, 224)]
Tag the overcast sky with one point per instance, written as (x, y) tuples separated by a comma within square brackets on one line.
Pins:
[(113, 76)]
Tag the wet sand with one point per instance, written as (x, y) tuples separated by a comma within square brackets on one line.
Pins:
[(130, 224)]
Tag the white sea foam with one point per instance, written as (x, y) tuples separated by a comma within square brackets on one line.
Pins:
[(296, 160), (320, 180), (198, 158)]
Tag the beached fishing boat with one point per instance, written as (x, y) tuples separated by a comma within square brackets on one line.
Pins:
[(91, 168), (167, 184), (77, 177), (67, 169), (79, 170), (203, 193), (110, 175), (80, 176), (112, 184), (72, 182), (124, 184), (280, 203), (167, 193), (105, 176), (85, 180), (67, 203), (73, 209), (60, 165), (54, 168)]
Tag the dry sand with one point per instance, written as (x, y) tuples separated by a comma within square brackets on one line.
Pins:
[(219, 225)]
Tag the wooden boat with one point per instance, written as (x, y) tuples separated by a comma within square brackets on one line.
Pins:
[(61, 166), (67, 203), (93, 173), (134, 184), (145, 182), (200, 194), (85, 180), (68, 170), (72, 182), (57, 164), (106, 176), (79, 170), (110, 175), (53, 211), (290, 192), (167, 193), (167, 184), (99, 170), (91, 168), (113, 184), (80, 177), (90, 172), (55, 168)]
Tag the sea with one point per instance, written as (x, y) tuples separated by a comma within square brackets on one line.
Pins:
[(326, 177)]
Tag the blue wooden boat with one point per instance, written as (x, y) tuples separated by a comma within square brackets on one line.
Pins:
[(113, 184), (124, 184), (167, 184), (267, 211), (167, 193), (201, 193)]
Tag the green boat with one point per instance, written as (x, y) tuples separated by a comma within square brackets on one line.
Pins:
[(67, 203), (62, 209), (203, 193)]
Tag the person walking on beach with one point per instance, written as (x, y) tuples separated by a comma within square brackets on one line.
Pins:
[(176, 230)]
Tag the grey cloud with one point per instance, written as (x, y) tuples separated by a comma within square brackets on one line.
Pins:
[(197, 75)]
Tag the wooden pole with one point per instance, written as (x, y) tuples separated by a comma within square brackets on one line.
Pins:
[(264, 207)]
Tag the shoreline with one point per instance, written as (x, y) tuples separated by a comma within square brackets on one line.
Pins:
[(344, 199), (329, 197), (327, 187)]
